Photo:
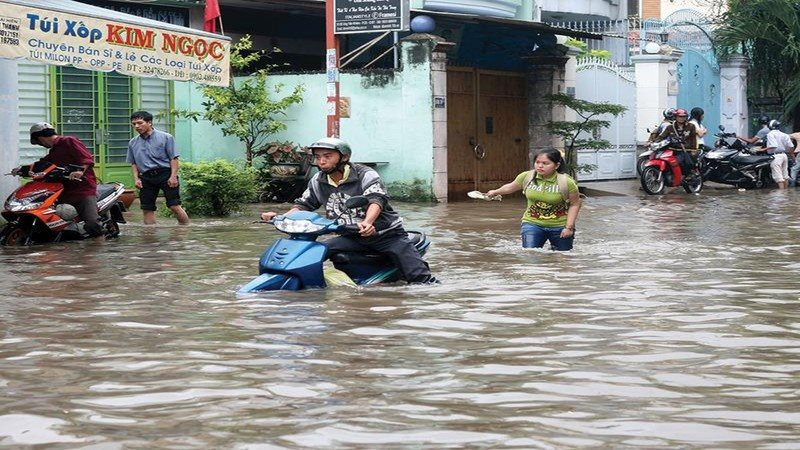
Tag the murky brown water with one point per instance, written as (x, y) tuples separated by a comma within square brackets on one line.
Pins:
[(674, 323)]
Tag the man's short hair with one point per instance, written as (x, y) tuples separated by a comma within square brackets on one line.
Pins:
[(144, 115)]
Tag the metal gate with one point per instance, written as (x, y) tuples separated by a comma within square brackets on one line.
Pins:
[(600, 80), (698, 68)]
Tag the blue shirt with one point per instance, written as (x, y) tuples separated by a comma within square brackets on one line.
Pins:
[(152, 152)]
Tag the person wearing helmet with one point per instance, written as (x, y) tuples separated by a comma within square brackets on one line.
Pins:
[(669, 116), (778, 145), (761, 136), (380, 227), (684, 140), (80, 189)]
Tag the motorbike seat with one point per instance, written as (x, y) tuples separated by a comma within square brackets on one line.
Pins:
[(750, 159), (415, 237), (105, 190)]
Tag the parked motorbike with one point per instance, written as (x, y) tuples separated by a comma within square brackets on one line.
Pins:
[(731, 162), (662, 170), (34, 214), (296, 263)]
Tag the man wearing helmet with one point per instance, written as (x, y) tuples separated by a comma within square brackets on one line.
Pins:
[(669, 116), (778, 144), (684, 140), (761, 136), (380, 227), (80, 189)]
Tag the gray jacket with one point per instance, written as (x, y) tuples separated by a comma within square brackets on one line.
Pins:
[(361, 181)]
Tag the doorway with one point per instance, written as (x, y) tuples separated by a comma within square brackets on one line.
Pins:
[(487, 129)]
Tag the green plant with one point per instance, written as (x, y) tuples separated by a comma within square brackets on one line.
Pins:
[(584, 49), (283, 152), (245, 108), (418, 191), (571, 132), (217, 188)]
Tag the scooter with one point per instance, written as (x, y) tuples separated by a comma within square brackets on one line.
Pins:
[(296, 263), (731, 162), (35, 216), (662, 170)]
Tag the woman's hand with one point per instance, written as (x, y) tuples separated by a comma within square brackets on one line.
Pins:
[(567, 232), (267, 216)]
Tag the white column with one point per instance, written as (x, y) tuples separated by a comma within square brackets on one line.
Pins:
[(656, 89), (571, 79), (439, 87), (9, 132), (733, 95)]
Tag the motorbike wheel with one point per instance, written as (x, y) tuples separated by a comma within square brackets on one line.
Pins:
[(16, 236), (653, 181), (112, 229), (640, 164), (693, 185)]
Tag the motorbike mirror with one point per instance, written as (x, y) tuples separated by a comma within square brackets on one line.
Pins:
[(648, 130), (722, 128), (356, 202)]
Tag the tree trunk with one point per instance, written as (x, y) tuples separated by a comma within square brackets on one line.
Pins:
[(249, 155)]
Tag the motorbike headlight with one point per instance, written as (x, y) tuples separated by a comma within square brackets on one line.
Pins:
[(298, 226), (16, 204), (712, 155)]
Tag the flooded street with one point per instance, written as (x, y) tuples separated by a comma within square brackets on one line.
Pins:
[(673, 323)]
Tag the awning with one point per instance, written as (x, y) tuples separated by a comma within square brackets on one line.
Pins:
[(510, 23), (65, 32)]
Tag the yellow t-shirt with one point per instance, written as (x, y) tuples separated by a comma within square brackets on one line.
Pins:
[(546, 206)]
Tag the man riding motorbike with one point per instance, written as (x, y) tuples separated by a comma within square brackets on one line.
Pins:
[(80, 189), (684, 140), (380, 227)]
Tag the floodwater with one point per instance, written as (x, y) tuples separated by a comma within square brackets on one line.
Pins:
[(673, 324)]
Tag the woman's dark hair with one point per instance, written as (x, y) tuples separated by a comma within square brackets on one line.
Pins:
[(697, 114), (553, 155), (144, 115)]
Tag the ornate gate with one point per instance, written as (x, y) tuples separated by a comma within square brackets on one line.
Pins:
[(698, 69)]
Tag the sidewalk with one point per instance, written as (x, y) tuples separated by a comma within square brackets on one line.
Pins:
[(627, 187)]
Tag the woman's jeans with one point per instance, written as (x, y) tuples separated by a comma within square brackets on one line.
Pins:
[(536, 236)]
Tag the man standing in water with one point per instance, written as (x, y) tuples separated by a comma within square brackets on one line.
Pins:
[(154, 163)]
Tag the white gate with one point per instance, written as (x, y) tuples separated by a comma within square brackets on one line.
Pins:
[(602, 81)]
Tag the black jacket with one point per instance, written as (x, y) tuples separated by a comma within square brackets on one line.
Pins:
[(362, 180)]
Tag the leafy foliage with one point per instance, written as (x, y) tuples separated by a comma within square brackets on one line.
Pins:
[(216, 188), (768, 32), (417, 191), (245, 108), (584, 48), (583, 133)]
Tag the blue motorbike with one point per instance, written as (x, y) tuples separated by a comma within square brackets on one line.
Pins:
[(296, 263)]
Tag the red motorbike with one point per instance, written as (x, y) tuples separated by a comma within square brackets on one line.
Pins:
[(662, 170), (34, 214)]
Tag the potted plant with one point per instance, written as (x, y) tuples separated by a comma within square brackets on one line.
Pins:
[(284, 159)]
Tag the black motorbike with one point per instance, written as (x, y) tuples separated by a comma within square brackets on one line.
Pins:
[(732, 162)]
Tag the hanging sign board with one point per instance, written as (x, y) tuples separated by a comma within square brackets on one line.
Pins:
[(91, 43), (371, 16)]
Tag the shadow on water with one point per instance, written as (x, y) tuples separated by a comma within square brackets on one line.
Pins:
[(674, 323)]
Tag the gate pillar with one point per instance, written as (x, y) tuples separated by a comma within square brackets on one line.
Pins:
[(733, 94), (656, 88)]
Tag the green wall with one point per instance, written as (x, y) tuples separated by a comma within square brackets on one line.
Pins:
[(391, 118)]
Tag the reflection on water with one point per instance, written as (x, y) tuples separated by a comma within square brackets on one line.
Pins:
[(674, 323)]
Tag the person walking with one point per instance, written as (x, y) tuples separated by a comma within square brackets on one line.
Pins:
[(553, 202), (778, 145), (154, 164), (380, 227), (80, 189)]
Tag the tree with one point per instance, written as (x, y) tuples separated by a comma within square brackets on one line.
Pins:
[(573, 132), (245, 108), (768, 32)]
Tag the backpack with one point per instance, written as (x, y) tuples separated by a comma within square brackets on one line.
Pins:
[(561, 179)]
